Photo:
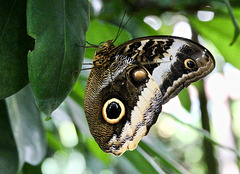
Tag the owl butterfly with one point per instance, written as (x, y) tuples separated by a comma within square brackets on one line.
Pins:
[(128, 85)]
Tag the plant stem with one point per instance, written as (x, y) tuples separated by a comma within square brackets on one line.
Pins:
[(208, 149)]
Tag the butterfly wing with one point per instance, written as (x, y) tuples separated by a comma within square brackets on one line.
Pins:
[(140, 99), (124, 94), (175, 53)]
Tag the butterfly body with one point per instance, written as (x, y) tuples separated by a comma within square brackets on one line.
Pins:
[(129, 83)]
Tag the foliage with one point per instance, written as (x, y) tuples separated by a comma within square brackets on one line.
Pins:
[(41, 52)]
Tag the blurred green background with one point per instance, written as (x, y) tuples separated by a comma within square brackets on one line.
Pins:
[(197, 132)]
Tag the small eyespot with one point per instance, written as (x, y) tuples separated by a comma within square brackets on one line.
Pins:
[(113, 110), (189, 64), (139, 75)]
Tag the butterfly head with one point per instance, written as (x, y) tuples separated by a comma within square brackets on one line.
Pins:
[(103, 53), (105, 47)]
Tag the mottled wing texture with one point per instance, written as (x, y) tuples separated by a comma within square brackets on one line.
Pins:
[(142, 103), (165, 59)]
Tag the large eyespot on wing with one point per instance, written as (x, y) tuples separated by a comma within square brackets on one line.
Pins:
[(113, 110), (128, 95), (143, 100), (141, 95)]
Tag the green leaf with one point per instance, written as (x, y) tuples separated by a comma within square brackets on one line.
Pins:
[(138, 28), (185, 99), (220, 31), (142, 162), (97, 152), (76, 112), (8, 149), (14, 45), (78, 91), (164, 160), (54, 141), (100, 31), (27, 127), (57, 27)]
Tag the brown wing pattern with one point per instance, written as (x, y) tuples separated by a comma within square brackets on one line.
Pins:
[(138, 76)]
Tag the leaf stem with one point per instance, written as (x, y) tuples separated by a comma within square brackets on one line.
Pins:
[(236, 26)]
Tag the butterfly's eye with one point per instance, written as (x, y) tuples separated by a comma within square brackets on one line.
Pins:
[(113, 110), (189, 64), (139, 75)]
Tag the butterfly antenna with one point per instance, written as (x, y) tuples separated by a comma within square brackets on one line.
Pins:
[(83, 69), (87, 63), (91, 45), (121, 27)]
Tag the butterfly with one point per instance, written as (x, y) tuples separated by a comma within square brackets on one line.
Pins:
[(129, 83)]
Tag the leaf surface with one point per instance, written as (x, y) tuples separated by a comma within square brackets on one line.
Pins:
[(27, 127), (14, 45), (8, 150), (57, 26)]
